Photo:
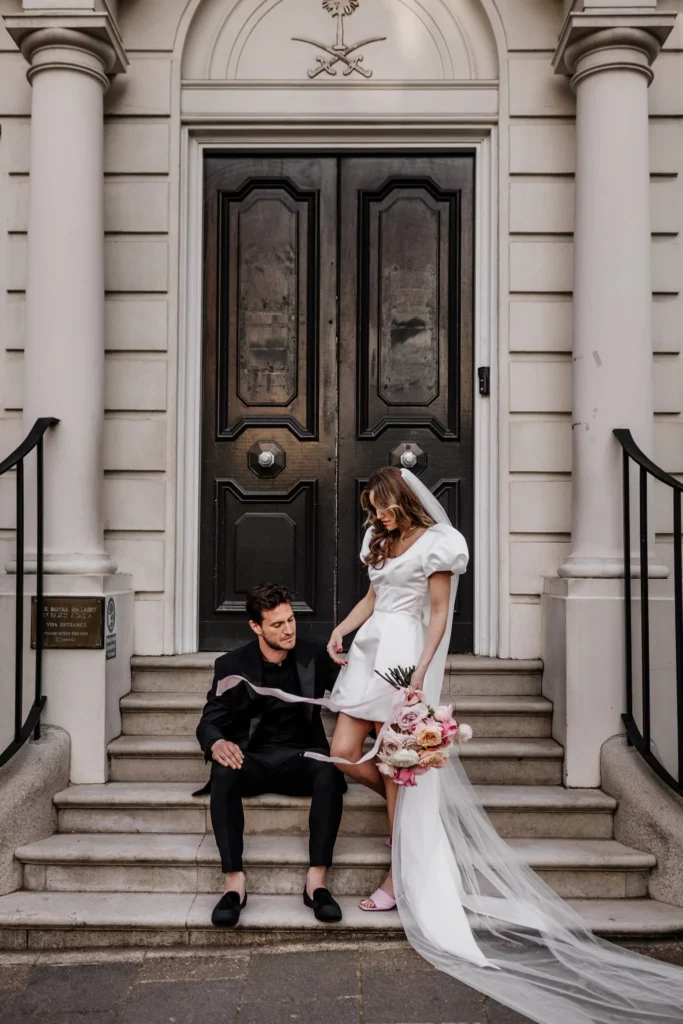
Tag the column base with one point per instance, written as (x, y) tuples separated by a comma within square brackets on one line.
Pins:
[(580, 567), (83, 687), (584, 663), (76, 564)]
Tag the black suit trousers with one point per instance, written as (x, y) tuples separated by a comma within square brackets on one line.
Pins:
[(276, 770)]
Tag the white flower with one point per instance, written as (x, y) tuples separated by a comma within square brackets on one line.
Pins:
[(465, 733), (404, 759)]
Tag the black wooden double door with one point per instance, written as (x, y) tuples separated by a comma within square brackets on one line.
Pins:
[(338, 301)]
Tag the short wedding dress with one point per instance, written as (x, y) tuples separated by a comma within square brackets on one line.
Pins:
[(394, 634)]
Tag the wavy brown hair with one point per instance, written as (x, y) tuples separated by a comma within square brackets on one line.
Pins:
[(390, 492)]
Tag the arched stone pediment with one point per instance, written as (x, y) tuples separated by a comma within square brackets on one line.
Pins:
[(412, 41)]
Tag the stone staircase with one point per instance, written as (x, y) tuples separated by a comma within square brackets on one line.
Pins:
[(134, 861)]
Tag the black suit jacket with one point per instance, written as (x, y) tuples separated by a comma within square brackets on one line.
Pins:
[(236, 714)]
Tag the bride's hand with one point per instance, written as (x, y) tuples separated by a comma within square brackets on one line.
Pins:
[(335, 647), (417, 680)]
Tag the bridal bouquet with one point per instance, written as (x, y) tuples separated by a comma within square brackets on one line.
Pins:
[(417, 737)]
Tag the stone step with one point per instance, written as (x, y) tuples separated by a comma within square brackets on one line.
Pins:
[(177, 714), (542, 812), (465, 674), (575, 868), (493, 761), (77, 921)]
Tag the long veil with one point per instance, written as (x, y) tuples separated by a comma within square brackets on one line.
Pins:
[(472, 908)]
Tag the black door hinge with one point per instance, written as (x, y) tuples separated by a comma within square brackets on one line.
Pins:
[(484, 373)]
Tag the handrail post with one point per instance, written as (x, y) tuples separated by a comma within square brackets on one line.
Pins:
[(644, 610), (40, 538), (678, 627), (627, 586), (19, 610)]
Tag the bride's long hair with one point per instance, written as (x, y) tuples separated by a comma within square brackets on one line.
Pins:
[(390, 491)]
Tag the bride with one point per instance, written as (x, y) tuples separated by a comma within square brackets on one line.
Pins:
[(468, 904)]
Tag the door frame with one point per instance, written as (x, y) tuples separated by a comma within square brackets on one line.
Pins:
[(335, 137)]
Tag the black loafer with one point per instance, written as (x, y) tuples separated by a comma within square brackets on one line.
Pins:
[(324, 906), (227, 911)]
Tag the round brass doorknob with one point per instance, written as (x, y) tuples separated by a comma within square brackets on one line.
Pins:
[(266, 459), (409, 460)]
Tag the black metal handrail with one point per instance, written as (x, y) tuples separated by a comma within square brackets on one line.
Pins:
[(22, 731), (642, 739)]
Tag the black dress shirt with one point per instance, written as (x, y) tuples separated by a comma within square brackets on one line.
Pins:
[(282, 724)]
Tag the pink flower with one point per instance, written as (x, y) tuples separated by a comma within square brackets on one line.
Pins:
[(465, 733), (406, 777), (429, 734), (444, 713), (391, 742), (433, 759), (449, 731), (408, 718)]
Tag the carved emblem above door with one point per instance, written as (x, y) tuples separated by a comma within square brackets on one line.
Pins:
[(340, 51)]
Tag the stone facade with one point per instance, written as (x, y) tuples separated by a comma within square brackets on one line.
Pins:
[(166, 77)]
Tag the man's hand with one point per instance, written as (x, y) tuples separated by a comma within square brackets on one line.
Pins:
[(228, 754)]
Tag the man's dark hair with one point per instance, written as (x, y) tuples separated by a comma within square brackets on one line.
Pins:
[(264, 598)]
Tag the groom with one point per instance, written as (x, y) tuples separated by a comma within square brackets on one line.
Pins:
[(256, 745)]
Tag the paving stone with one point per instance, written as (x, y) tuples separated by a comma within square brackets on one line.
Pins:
[(498, 1014), (303, 987), (410, 997), (182, 1002), (13, 977), (64, 990), (195, 968)]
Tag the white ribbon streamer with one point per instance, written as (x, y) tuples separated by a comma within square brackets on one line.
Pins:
[(230, 682)]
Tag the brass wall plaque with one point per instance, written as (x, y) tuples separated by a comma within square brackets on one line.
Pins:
[(70, 622)]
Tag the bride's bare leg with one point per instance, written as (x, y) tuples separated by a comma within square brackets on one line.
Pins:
[(392, 796), (347, 742)]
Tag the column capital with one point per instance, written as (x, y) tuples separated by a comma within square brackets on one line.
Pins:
[(83, 41), (623, 38)]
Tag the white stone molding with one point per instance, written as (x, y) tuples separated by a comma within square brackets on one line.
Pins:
[(609, 59), (374, 136), (70, 60), (252, 40)]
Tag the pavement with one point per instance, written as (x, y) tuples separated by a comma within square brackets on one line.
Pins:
[(363, 984)]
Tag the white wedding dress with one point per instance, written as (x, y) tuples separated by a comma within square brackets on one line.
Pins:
[(468, 904), (395, 632)]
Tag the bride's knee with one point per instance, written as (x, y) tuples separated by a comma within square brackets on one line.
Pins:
[(343, 748)]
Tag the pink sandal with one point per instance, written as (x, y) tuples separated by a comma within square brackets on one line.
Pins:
[(387, 842), (382, 901)]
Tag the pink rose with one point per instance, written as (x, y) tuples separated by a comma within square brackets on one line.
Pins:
[(444, 713), (406, 777), (449, 731), (408, 718), (433, 759), (391, 742), (429, 734), (465, 733)]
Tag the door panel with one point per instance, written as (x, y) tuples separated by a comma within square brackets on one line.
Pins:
[(406, 258), (269, 411)]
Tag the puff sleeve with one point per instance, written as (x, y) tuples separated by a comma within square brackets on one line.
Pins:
[(445, 551)]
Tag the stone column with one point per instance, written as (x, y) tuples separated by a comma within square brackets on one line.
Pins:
[(608, 56), (64, 353), (71, 52), (612, 349)]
